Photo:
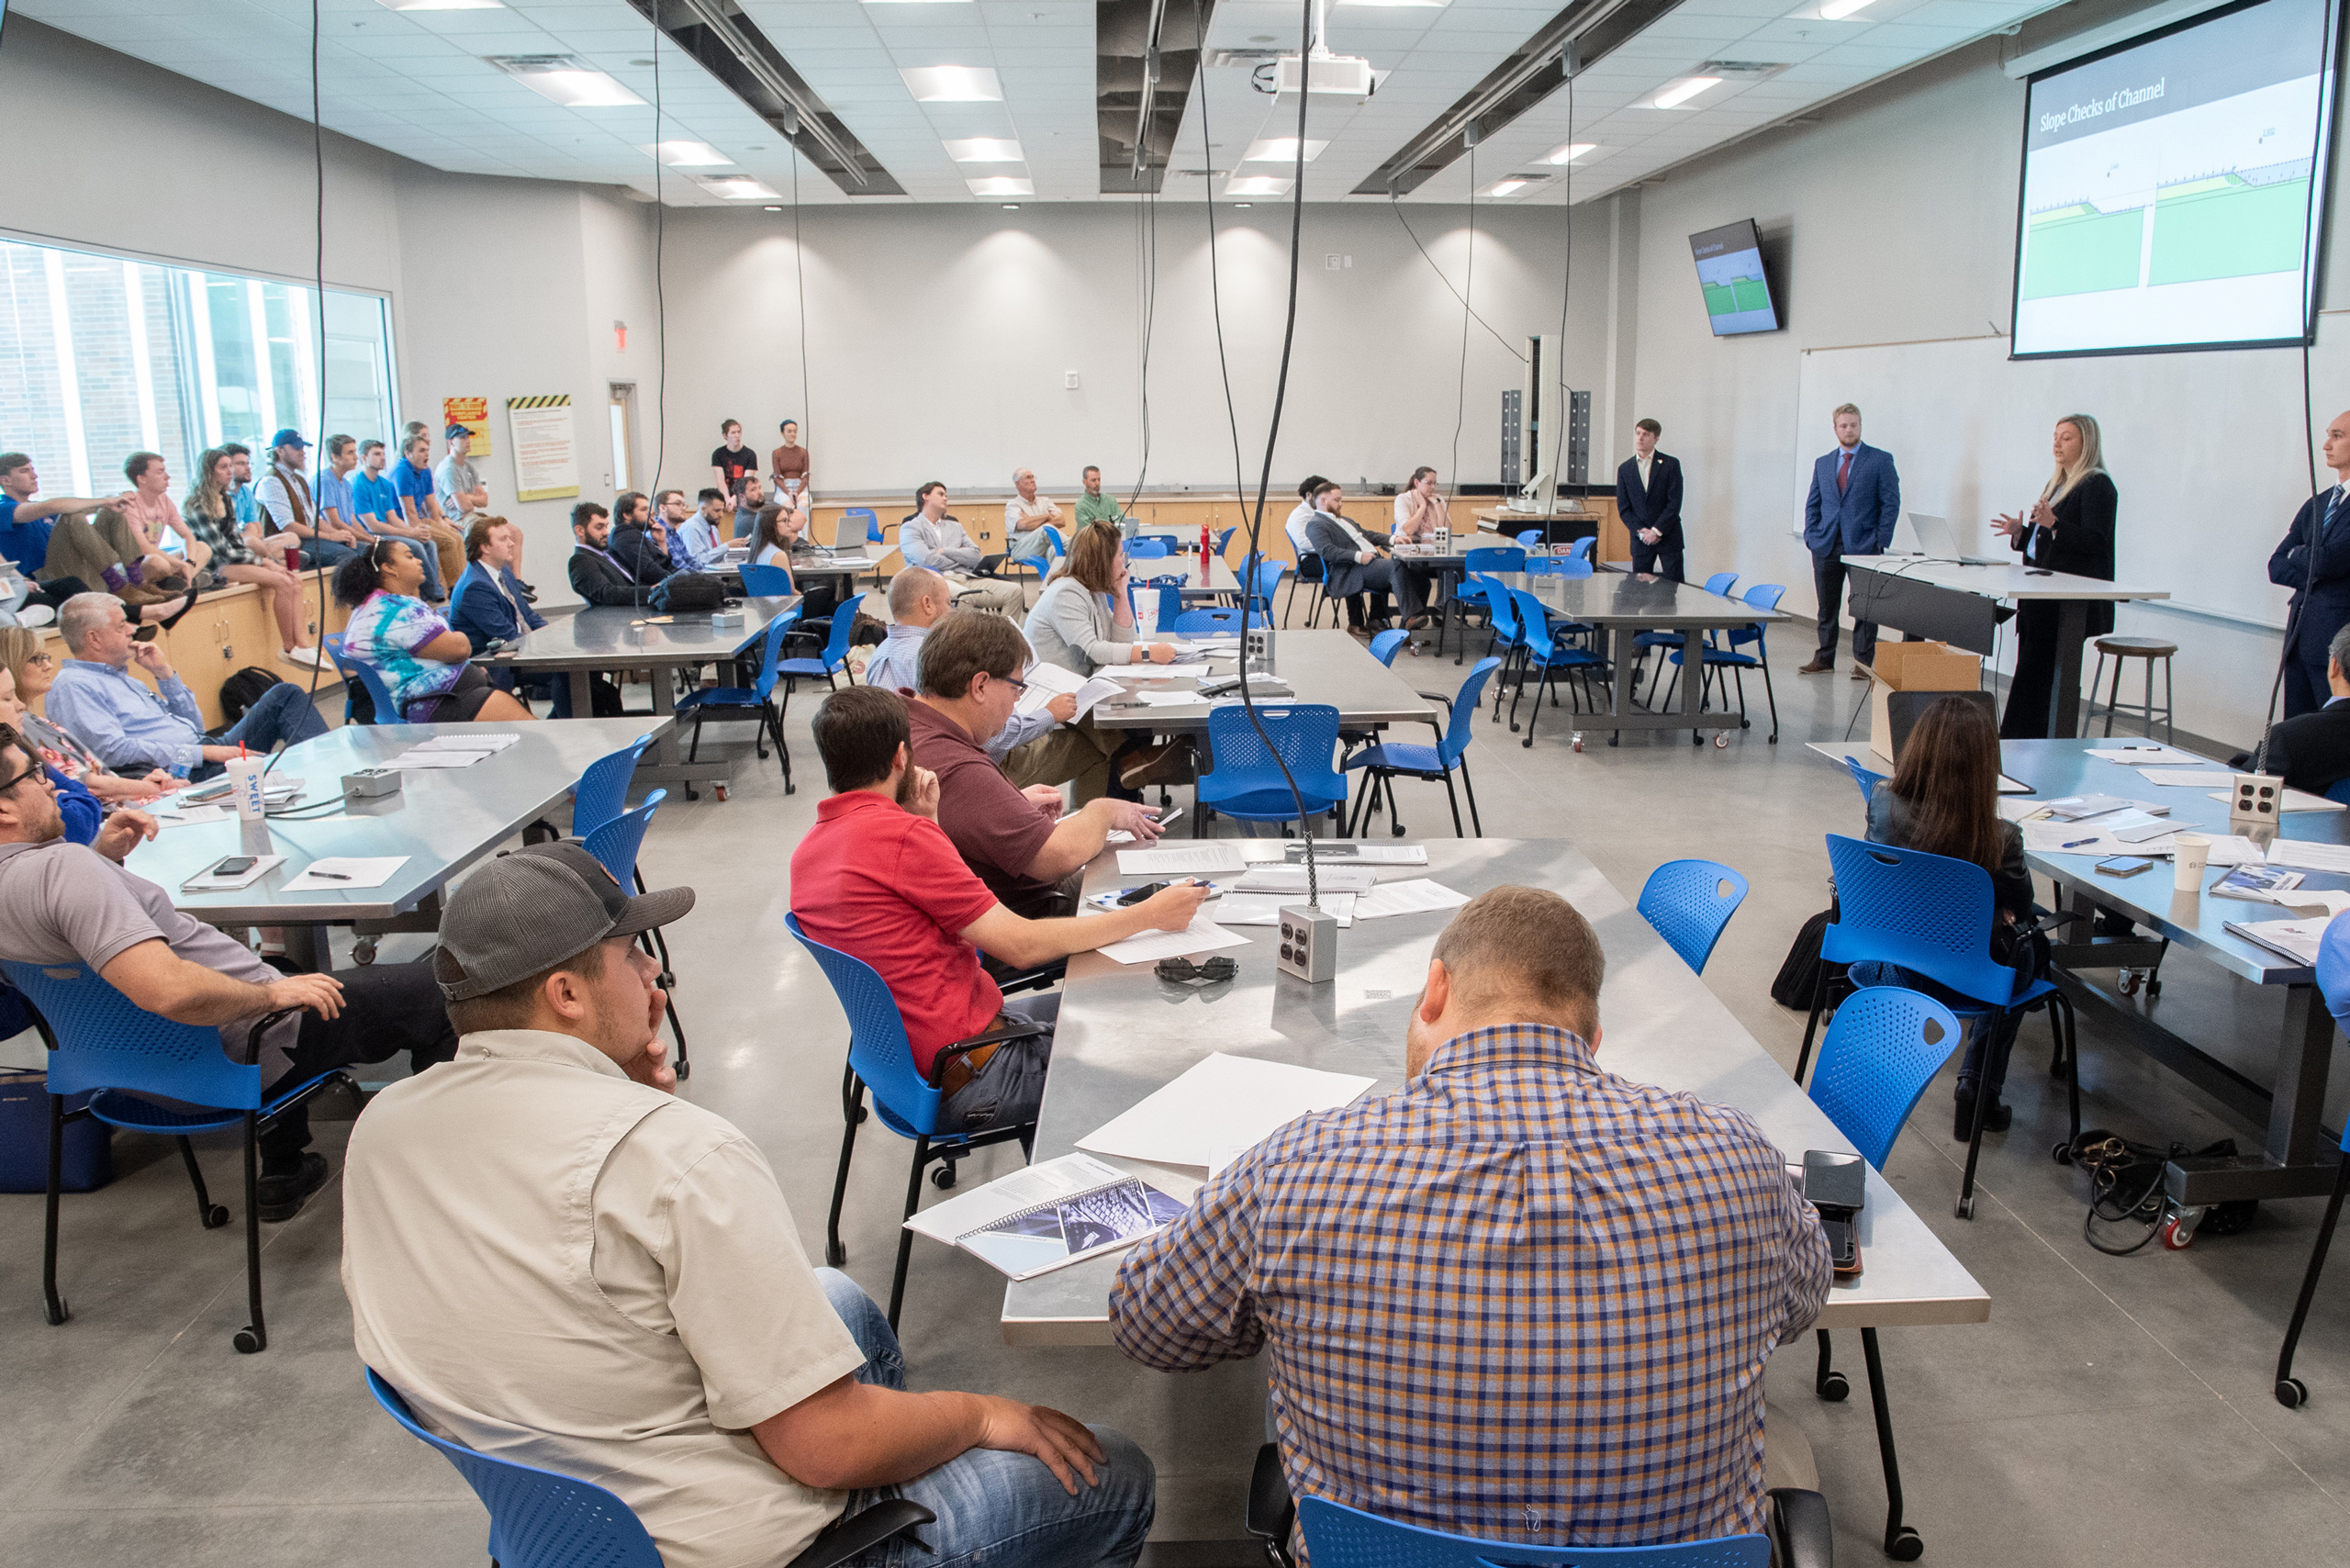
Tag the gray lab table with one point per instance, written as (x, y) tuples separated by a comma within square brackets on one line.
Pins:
[(1316, 667), (442, 820), (1955, 603), (2297, 1159), (1615, 605), (617, 637), (1219, 584)]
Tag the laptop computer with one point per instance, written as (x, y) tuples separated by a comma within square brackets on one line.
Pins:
[(1934, 534)]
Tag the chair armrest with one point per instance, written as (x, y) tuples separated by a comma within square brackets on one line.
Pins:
[(1800, 1529), (2043, 919), (992, 1037), (268, 1022), (1271, 1511), (862, 1531)]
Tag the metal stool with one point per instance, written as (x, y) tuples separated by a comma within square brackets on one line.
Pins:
[(2124, 649)]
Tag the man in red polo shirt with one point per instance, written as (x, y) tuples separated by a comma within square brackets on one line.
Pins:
[(1020, 843), (878, 879)]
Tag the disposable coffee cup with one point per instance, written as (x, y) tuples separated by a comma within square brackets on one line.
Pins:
[(245, 786), (2192, 858)]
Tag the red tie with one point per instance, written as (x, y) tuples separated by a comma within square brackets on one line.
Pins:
[(1843, 473)]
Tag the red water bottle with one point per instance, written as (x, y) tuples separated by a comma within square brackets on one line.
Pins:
[(1203, 552)]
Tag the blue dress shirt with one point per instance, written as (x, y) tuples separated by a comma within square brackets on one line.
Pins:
[(124, 722), (894, 666)]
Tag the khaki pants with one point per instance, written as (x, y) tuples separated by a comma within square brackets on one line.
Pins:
[(1078, 753), (79, 547), (988, 594), (451, 545)]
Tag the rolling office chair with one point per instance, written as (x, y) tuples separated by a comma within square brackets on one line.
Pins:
[(1690, 903), (360, 675)]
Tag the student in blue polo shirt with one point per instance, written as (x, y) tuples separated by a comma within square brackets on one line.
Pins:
[(412, 477), (25, 525)]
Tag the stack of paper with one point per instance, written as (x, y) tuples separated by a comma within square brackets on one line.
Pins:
[(1264, 909), (451, 751), (1416, 897), (1292, 880), (1198, 858), (2296, 940), (1203, 935), (2148, 754), (2310, 856), (1047, 681), (1219, 1109)]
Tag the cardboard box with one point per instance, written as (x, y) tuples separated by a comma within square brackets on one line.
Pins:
[(1914, 667)]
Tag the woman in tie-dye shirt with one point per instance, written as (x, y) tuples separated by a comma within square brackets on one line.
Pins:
[(421, 660)]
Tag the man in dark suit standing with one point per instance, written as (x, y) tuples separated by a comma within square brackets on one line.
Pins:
[(1648, 498), (2314, 561), (1854, 501), (2312, 751)]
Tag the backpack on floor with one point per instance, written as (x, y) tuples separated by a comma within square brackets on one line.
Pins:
[(1801, 974), (241, 690)]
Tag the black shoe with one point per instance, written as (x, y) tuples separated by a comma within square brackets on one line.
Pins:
[(281, 1197), (1962, 1127)]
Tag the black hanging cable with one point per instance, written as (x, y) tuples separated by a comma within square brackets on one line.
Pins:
[(660, 296), (1397, 207), (1468, 290), (1147, 250), (800, 285), (1215, 287), (319, 338), (1272, 434), (1566, 292)]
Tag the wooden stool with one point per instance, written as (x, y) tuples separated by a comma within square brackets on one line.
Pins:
[(2124, 649)]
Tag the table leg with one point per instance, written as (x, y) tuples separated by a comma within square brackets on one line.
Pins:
[(1901, 1542), (2304, 1053), (583, 696), (2072, 631)]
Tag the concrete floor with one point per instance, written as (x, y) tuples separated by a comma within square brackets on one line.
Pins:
[(2112, 1409)]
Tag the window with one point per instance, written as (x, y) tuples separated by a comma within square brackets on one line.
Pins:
[(101, 356)]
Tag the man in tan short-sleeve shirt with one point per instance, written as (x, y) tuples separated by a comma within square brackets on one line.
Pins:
[(557, 1262)]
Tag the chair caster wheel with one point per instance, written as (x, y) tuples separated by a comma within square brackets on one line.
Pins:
[(58, 1314), (692, 793), (248, 1342), (942, 1178), (1905, 1546), (861, 1113), (2292, 1393), (2153, 987), (789, 788), (1774, 740), (1966, 1208), (835, 1254), (216, 1217), (685, 1070), (2062, 1154), (363, 950), (1527, 742), (1721, 740), (2178, 1229), (1834, 1388), (1746, 723), (2129, 981)]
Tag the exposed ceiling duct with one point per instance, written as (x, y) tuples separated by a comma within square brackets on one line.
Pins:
[(1146, 54)]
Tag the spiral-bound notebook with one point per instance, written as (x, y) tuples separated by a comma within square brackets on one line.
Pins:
[(1050, 1216)]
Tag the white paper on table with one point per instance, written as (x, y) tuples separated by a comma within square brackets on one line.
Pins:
[(2185, 777), (1221, 1106), (1265, 908), (2235, 850), (2329, 901), (2310, 856), (1377, 855), (1290, 879), (2149, 754), (1201, 936), (1417, 896), (1183, 859), (966, 1219), (351, 871), (202, 882), (472, 740), (416, 759), (2295, 800), (1190, 698), (1047, 681), (2084, 838), (188, 816)]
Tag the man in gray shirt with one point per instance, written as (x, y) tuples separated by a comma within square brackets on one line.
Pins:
[(70, 903), (930, 538), (456, 486)]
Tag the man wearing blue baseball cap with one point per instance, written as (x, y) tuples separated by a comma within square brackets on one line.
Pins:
[(456, 485), (284, 495)]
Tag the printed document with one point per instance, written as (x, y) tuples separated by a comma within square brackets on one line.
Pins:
[(1219, 1109)]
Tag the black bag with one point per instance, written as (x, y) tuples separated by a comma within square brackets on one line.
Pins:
[(688, 593), (1801, 974), (241, 690), (88, 1162)]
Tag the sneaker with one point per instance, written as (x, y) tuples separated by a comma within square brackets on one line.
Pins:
[(1961, 1127), (304, 655), (281, 1197)]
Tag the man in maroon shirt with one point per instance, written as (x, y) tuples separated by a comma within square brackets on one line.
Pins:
[(878, 879), (1019, 842)]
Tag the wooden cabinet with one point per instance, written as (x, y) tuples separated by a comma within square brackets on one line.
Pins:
[(229, 629)]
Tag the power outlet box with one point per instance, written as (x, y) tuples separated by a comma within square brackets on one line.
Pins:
[(1259, 649), (2256, 801), (1309, 946)]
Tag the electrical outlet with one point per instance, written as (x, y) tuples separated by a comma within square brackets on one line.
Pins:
[(1309, 947), (2254, 800), (1068, 380)]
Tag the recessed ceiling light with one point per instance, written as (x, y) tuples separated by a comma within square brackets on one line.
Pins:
[(563, 79), (1837, 10), (735, 187), (1569, 152), (1001, 185), (1674, 93), (770, 209), (1244, 204), (1011, 207), (953, 84), (984, 150), (686, 154), (1508, 188), (1257, 186), (1281, 149)]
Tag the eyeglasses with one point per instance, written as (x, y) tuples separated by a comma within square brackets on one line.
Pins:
[(44, 660), (1016, 684), (1216, 969), (32, 772)]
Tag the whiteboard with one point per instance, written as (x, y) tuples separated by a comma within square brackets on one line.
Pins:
[(2206, 448)]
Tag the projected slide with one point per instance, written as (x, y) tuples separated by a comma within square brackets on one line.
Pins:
[(2167, 200), (1729, 272)]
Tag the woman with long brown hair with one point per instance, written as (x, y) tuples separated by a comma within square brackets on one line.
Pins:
[(1081, 621), (1943, 799), (212, 512)]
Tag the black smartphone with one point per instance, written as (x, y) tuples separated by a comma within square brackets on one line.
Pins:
[(1136, 895), (1835, 1179), (233, 865), (1843, 1244), (2123, 865)]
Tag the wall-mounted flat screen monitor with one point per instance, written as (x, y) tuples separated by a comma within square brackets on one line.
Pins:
[(2167, 201), (1729, 271)]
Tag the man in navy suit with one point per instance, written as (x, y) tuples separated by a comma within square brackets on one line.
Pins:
[(1856, 499), (2314, 561), (1648, 498)]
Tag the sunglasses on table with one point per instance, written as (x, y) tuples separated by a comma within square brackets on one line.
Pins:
[(1180, 969)]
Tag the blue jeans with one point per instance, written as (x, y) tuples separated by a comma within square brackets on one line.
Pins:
[(1002, 1509), (283, 713)]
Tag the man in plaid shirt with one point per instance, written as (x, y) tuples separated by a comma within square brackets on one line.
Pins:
[(1521, 1298)]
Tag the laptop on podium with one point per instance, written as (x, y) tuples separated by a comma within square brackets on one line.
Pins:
[(1942, 544)]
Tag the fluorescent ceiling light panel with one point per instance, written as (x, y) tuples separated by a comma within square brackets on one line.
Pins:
[(953, 84), (1568, 151), (1837, 10), (1257, 186), (1281, 149), (1431, 4), (561, 78), (687, 155), (983, 149), (1508, 188), (1001, 185), (444, 5), (1674, 93), (737, 187)]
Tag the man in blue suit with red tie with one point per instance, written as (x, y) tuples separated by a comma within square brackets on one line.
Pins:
[(1856, 499), (2314, 561)]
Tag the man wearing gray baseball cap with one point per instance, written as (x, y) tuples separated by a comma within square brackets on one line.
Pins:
[(557, 1260)]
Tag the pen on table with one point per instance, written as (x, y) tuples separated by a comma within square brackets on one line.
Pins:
[(337, 876), (2077, 844)]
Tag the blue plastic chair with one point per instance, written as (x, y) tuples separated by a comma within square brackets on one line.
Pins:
[(1686, 901), (1260, 579), (1531, 539), (880, 1057), (601, 793), (1040, 564), (1867, 779), (1721, 583), (753, 703), (1224, 539), (1507, 636), (102, 1044), (873, 535), (1387, 645), (2339, 792), (1309, 570), (832, 664), (1146, 549), (358, 672), (1340, 1536), (765, 582), (1932, 915), (1884, 1047), (614, 845), (2334, 984), (1581, 548), (1468, 593), (1539, 647), (1385, 761), (1726, 655), (1244, 782), (1205, 622), (1557, 566), (541, 1519)]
